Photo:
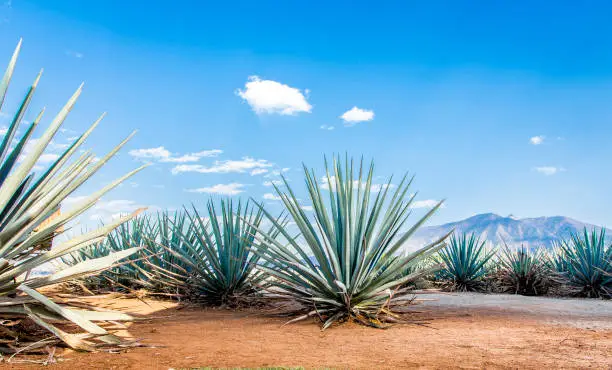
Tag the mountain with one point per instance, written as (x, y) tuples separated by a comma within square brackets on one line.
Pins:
[(531, 232)]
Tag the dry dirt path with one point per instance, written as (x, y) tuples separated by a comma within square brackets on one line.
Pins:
[(470, 331)]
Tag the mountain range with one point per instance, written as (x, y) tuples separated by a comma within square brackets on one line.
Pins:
[(530, 232)]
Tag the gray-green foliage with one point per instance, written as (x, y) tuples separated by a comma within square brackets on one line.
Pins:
[(26, 200), (344, 264), (466, 263), (524, 271), (585, 266), (207, 259)]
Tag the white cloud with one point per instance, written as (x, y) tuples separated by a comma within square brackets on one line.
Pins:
[(3, 130), (326, 127), (105, 211), (273, 182), (258, 171), (549, 170), (356, 115), (375, 188), (58, 146), (271, 97), (427, 203), (270, 196), (47, 158), (74, 54), (536, 140), (117, 206), (223, 189), (228, 166), (162, 154), (150, 153), (193, 157), (307, 208)]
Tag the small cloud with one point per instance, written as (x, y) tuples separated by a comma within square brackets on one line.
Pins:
[(163, 155), (3, 130), (549, 170), (67, 131), (228, 166), (271, 97), (356, 115), (326, 127), (47, 158), (258, 171), (427, 203), (273, 182), (270, 196), (150, 153), (374, 188), (222, 189), (74, 54), (307, 208), (536, 140)]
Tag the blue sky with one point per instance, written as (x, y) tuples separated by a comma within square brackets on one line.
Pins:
[(496, 106)]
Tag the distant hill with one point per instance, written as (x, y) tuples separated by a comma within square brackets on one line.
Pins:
[(532, 232)]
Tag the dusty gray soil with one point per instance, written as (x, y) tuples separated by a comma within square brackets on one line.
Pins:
[(583, 313)]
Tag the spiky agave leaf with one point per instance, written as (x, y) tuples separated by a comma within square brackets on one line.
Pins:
[(152, 271), (523, 271), (338, 267), (587, 270), (27, 201), (216, 253), (465, 262)]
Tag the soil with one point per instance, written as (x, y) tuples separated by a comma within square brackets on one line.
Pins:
[(464, 331)]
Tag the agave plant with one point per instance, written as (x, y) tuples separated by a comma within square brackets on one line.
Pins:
[(587, 270), (466, 262), (217, 254), (339, 267), (26, 202), (524, 272)]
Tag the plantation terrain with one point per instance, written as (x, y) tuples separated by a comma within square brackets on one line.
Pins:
[(464, 330)]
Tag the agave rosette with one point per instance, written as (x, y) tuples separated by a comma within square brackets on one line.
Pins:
[(466, 263), (346, 261), (26, 203)]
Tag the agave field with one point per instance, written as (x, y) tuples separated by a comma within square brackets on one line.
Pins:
[(344, 261)]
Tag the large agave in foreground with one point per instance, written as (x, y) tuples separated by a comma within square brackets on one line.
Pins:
[(26, 202), (465, 263), (339, 267), (587, 267)]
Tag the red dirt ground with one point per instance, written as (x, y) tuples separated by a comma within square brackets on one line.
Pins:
[(456, 338)]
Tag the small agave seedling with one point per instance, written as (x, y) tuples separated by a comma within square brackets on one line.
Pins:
[(26, 202)]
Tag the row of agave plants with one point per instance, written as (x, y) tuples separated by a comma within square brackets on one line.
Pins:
[(580, 265), (336, 263)]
